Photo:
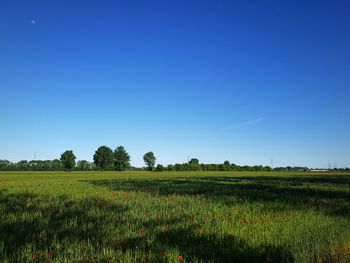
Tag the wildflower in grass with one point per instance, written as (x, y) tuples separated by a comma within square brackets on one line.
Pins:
[(180, 258), (200, 230), (142, 231), (162, 254), (244, 222)]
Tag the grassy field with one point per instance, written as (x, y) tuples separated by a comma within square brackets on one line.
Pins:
[(174, 216)]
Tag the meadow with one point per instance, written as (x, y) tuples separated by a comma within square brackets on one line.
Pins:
[(174, 217)]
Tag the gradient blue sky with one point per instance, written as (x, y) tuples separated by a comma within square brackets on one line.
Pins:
[(244, 81)]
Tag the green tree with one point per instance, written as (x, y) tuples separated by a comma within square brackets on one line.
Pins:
[(193, 164), (227, 166), (103, 158), (227, 163), (234, 167), (150, 160), (83, 165), (5, 164), (160, 168), (121, 159), (179, 167), (194, 161), (22, 165), (171, 167), (268, 168), (57, 165), (68, 160)]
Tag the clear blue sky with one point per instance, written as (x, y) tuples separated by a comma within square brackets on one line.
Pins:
[(244, 81)]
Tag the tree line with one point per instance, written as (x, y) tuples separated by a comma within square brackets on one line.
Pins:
[(105, 159)]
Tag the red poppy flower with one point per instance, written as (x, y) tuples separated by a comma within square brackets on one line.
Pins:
[(180, 258)]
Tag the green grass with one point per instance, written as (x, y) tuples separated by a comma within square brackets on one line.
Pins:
[(157, 217)]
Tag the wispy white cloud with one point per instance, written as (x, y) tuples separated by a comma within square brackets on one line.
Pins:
[(241, 124)]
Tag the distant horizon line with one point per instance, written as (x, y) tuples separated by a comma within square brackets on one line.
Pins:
[(240, 165)]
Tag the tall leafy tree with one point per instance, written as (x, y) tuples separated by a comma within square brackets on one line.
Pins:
[(227, 166), (103, 158), (193, 164), (227, 163), (68, 160), (150, 160), (121, 159), (194, 161)]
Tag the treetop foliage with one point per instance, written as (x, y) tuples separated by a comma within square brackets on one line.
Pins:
[(121, 159), (150, 160), (103, 158), (68, 160)]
